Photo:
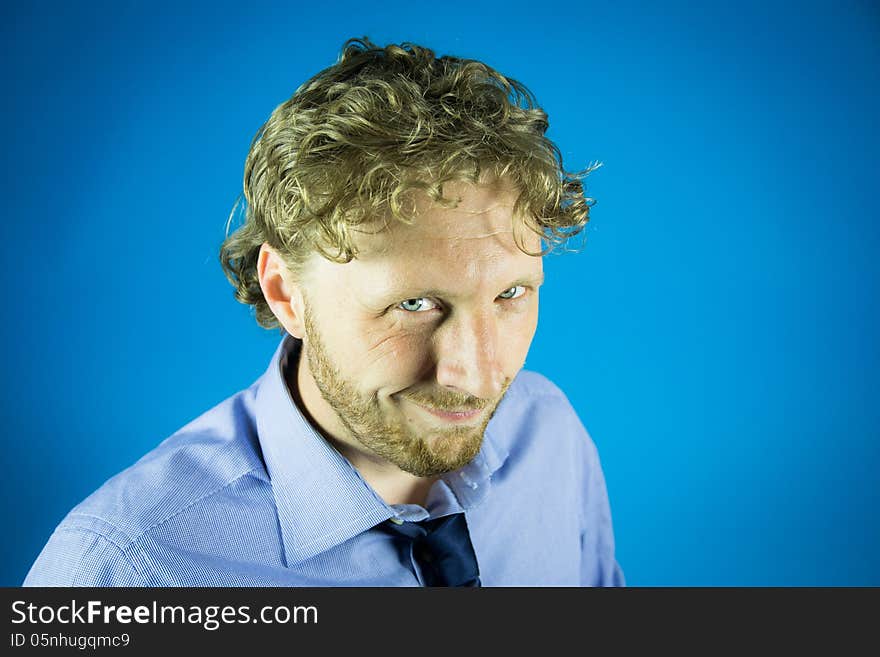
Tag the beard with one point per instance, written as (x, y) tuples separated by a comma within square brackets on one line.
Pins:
[(423, 452)]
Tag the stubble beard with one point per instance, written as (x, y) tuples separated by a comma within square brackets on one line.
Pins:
[(423, 453)]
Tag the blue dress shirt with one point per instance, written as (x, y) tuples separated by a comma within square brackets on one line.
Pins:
[(249, 494)]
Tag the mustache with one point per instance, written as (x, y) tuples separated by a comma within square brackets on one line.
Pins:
[(450, 402)]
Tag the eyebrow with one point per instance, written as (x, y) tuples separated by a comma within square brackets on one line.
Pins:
[(413, 293), (534, 281)]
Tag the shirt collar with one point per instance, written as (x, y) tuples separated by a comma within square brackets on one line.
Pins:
[(321, 498)]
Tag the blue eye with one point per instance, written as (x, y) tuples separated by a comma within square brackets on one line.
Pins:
[(421, 304), (513, 292)]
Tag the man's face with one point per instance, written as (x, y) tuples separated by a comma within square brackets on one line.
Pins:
[(413, 344)]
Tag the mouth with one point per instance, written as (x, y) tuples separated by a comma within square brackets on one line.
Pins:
[(451, 415)]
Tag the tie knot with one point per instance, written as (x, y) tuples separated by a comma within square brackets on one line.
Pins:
[(442, 547)]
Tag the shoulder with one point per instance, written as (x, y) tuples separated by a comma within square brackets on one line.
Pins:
[(536, 412), (189, 471), (532, 396), (210, 453), (536, 386)]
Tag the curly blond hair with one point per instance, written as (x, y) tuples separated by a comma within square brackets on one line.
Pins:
[(355, 142)]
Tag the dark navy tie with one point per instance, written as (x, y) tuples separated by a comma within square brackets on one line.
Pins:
[(442, 547)]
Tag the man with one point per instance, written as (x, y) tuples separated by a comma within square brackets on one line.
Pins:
[(396, 208)]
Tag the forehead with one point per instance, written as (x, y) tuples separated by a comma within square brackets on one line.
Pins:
[(453, 252), (482, 225)]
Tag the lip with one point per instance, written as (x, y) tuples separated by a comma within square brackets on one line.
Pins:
[(454, 416)]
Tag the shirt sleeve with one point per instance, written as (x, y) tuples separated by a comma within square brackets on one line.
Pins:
[(78, 556), (599, 566)]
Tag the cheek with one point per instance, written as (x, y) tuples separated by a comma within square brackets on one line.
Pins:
[(515, 341), (390, 357)]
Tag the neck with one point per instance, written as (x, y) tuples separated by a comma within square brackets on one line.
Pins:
[(391, 483)]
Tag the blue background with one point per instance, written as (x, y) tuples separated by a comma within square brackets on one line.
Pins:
[(717, 334)]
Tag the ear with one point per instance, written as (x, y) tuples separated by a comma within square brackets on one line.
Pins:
[(281, 291)]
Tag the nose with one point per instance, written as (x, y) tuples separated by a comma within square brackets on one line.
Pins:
[(467, 354)]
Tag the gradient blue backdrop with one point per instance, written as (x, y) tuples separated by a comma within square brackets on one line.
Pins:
[(717, 334)]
